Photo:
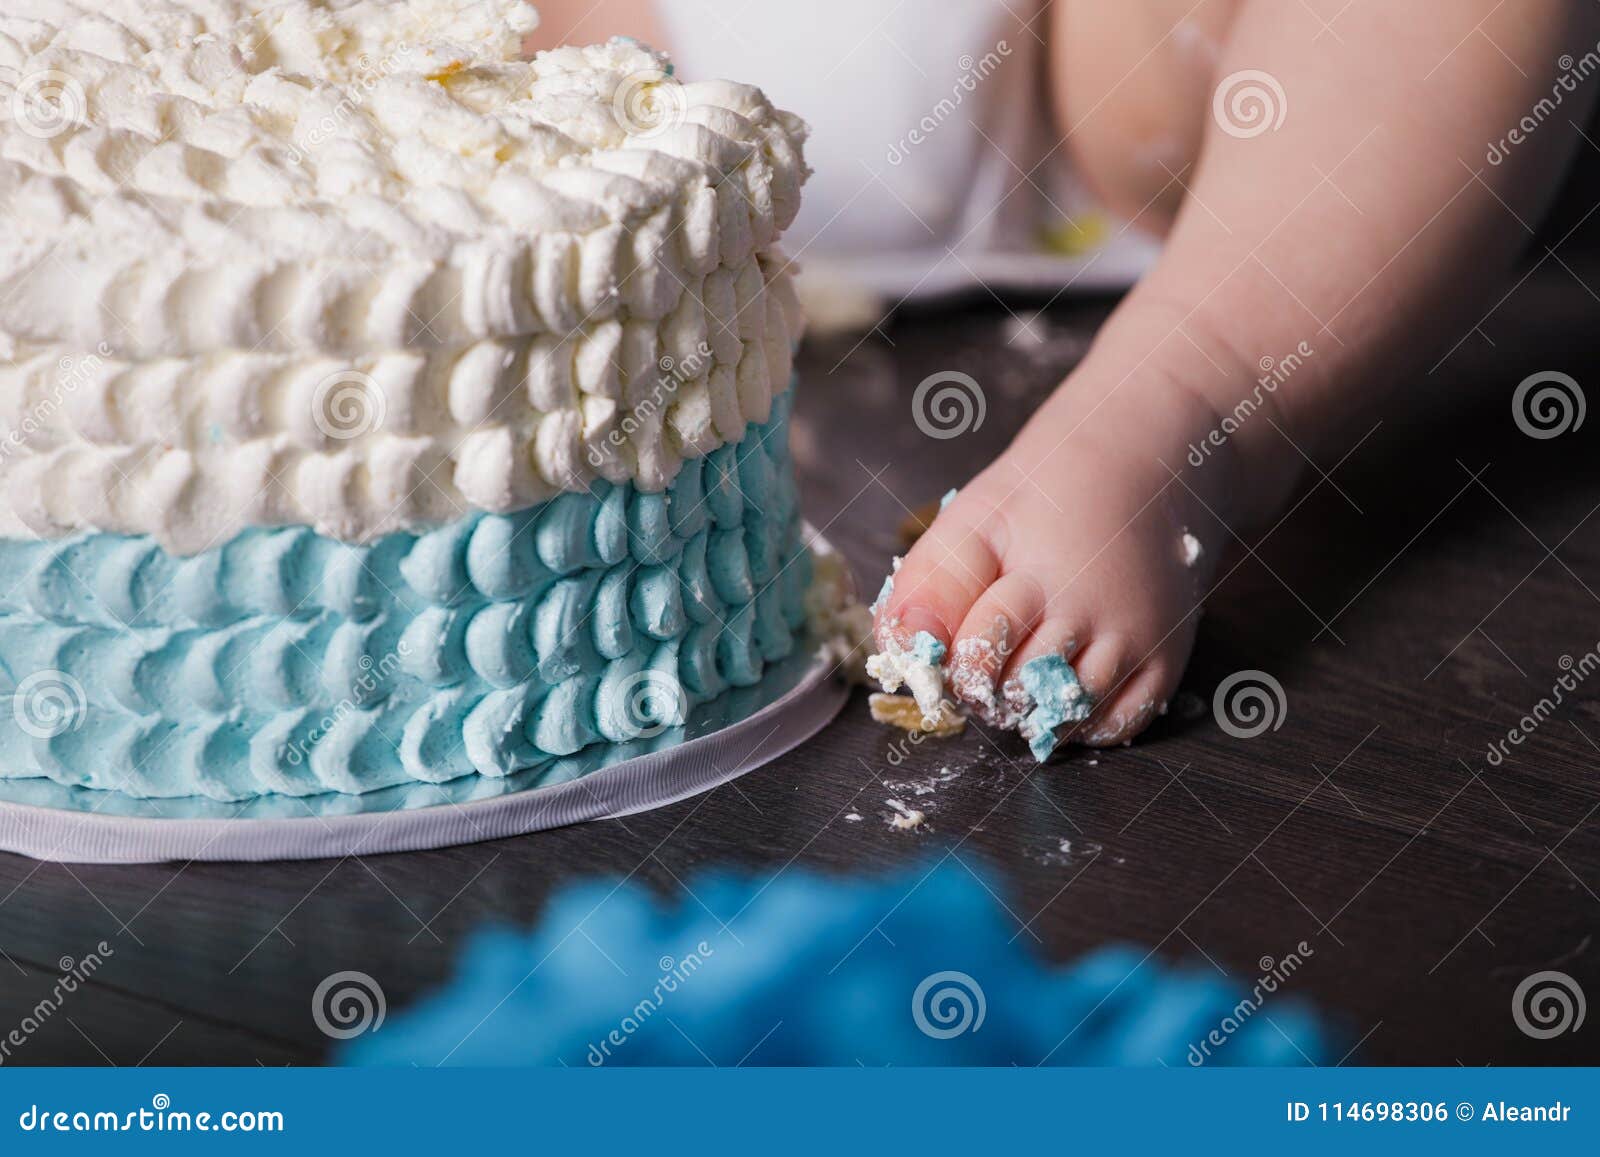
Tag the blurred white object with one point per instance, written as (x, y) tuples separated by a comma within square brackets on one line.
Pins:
[(835, 301), (936, 166)]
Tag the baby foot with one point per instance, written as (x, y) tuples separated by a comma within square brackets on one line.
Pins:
[(1058, 593)]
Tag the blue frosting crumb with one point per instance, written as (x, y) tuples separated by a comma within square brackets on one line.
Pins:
[(926, 649), (800, 979), (883, 593), (1057, 696), (949, 497)]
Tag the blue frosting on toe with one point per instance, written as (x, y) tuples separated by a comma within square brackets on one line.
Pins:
[(1057, 697), (288, 662), (926, 649), (884, 593)]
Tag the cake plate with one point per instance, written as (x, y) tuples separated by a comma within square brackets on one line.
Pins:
[(719, 741)]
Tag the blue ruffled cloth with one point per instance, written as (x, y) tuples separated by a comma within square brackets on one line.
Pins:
[(917, 969)]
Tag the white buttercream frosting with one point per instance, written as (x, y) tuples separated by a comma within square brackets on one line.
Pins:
[(359, 266)]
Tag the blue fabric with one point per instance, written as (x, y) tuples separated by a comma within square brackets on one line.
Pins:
[(816, 971)]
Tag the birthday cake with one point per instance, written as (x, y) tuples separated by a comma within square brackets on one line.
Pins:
[(377, 405)]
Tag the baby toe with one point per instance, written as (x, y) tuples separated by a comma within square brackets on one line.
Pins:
[(934, 586), (1003, 619), (1040, 693), (1140, 699), (1130, 684)]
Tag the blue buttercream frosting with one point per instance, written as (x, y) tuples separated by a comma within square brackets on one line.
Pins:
[(287, 662), (885, 593), (926, 649), (1057, 697)]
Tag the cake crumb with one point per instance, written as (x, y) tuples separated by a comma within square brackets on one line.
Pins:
[(902, 711), (975, 669), (915, 666), (1067, 853), (925, 786), (841, 624), (904, 818)]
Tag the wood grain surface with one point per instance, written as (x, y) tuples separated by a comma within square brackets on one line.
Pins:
[(1414, 606)]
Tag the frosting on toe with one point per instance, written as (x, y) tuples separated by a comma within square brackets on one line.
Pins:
[(1053, 698), (916, 666), (1042, 698)]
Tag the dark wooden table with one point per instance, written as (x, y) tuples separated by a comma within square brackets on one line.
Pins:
[(1416, 604)]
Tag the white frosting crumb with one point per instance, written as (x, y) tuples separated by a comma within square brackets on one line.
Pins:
[(904, 818), (843, 625), (974, 671), (925, 786), (853, 817), (896, 666), (1014, 709), (1192, 550), (1066, 853)]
